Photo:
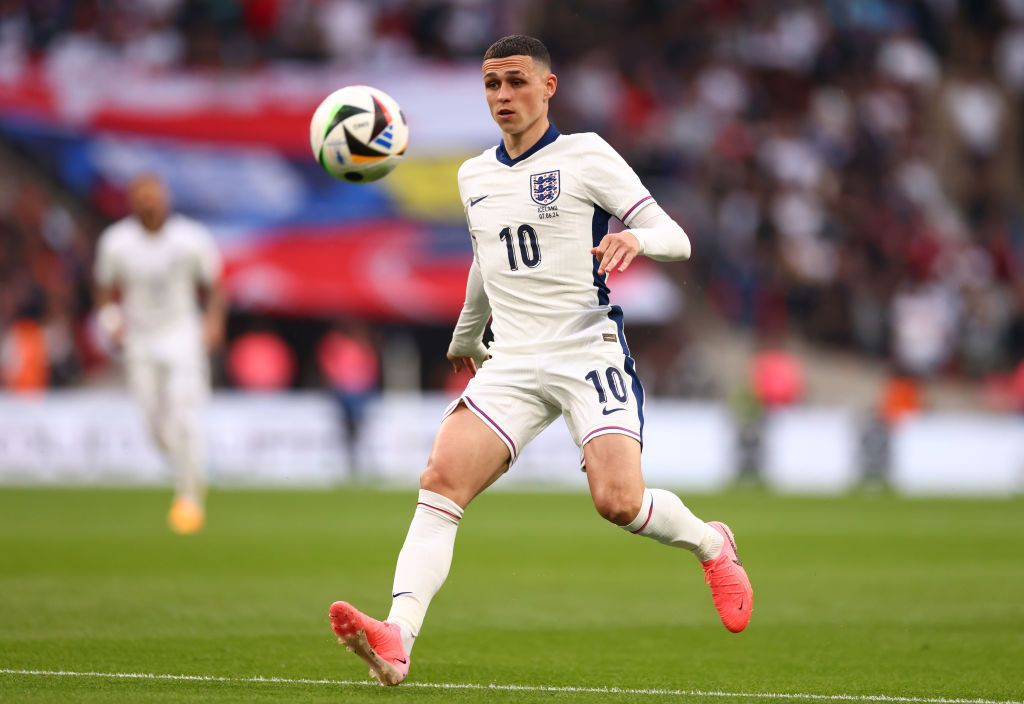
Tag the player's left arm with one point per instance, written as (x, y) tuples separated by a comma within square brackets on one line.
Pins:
[(214, 297), (653, 233), (613, 186), (215, 310)]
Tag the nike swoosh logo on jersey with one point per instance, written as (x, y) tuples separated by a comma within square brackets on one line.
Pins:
[(474, 201), (606, 412), (398, 594)]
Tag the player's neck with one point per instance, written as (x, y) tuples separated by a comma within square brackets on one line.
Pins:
[(520, 143), (153, 225)]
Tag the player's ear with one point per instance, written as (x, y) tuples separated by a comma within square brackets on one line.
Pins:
[(550, 85)]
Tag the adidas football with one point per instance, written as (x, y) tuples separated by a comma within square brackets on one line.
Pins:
[(358, 134)]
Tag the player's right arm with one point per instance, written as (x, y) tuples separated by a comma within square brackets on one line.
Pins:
[(467, 349), (108, 311)]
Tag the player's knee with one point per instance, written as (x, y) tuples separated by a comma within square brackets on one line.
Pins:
[(616, 504), (432, 481), (438, 477)]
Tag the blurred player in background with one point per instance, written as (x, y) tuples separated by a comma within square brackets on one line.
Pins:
[(538, 207), (151, 268)]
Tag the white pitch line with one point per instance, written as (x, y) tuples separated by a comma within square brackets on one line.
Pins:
[(518, 688)]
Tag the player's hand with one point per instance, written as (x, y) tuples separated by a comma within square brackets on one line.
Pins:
[(213, 334), (460, 363), (467, 356), (111, 322), (616, 251)]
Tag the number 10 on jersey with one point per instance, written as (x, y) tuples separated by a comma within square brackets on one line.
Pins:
[(529, 247)]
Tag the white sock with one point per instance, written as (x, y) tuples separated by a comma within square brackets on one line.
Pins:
[(187, 455), (664, 517), (423, 562)]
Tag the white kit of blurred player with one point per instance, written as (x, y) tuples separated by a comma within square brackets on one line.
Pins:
[(158, 263)]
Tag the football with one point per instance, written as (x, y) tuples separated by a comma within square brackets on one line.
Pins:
[(358, 134)]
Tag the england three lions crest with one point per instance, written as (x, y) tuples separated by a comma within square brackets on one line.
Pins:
[(544, 187)]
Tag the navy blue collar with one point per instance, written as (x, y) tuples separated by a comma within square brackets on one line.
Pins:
[(547, 138)]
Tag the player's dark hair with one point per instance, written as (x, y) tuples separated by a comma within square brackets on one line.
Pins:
[(519, 45)]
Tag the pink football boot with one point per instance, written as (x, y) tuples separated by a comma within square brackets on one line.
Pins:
[(379, 643), (730, 586)]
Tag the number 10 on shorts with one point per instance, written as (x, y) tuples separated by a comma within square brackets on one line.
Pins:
[(616, 384)]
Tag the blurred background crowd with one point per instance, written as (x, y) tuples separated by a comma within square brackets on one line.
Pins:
[(849, 172)]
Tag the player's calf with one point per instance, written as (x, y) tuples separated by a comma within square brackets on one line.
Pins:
[(664, 517)]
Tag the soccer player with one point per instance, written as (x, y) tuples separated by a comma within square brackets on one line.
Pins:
[(157, 262), (538, 207)]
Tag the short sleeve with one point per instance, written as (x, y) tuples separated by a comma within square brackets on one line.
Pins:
[(611, 183), (105, 266), (208, 260)]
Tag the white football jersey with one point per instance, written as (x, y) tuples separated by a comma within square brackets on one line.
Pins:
[(157, 274), (533, 220)]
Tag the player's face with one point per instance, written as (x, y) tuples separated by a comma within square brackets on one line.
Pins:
[(148, 197), (518, 90)]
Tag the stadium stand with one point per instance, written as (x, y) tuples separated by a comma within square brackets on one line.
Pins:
[(849, 173)]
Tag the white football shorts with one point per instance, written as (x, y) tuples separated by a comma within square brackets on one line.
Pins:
[(596, 390), (163, 387)]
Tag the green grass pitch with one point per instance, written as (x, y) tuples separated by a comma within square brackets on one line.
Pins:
[(865, 595)]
